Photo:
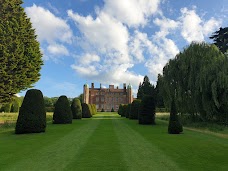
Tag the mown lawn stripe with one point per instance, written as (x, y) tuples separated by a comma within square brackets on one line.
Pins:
[(102, 151), (139, 154), (56, 154)]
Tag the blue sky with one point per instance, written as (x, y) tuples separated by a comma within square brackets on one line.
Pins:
[(115, 41)]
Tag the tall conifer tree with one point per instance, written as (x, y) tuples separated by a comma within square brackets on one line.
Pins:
[(20, 56)]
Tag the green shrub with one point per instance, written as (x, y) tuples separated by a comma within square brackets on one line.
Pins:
[(86, 111), (62, 112), (147, 110), (50, 109), (112, 110), (94, 109), (32, 115), (76, 108), (135, 107), (124, 110), (120, 110), (127, 112), (7, 107), (102, 110), (15, 106), (175, 126)]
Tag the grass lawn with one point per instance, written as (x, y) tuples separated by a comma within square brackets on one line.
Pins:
[(109, 142)]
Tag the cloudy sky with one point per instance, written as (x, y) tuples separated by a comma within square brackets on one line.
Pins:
[(115, 41)]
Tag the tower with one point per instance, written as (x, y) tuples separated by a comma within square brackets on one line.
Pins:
[(129, 94), (86, 93)]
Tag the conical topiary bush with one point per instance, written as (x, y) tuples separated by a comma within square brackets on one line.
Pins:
[(76, 108), (62, 112), (32, 115), (175, 126)]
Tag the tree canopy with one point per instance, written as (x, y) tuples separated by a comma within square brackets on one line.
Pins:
[(20, 56), (198, 79), (146, 88), (220, 38)]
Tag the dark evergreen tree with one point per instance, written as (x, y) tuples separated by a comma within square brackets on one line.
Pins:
[(32, 115), (20, 56), (76, 108), (135, 107), (175, 126), (112, 110), (220, 38), (102, 110), (146, 88), (147, 110), (62, 112), (86, 113)]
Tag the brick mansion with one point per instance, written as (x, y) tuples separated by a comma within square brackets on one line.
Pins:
[(107, 98)]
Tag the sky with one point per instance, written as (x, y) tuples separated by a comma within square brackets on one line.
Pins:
[(115, 41)]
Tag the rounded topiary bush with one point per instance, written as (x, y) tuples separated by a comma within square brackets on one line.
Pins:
[(135, 107), (147, 110), (175, 126), (76, 108), (112, 110), (62, 112), (32, 115), (86, 113)]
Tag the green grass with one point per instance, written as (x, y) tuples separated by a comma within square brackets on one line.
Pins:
[(109, 142)]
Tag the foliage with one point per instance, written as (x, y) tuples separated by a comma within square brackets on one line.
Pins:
[(62, 113), (220, 38), (76, 108), (147, 110), (158, 92), (112, 110), (15, 105), (198, 77), (86, 113), (94, 109), (7, 107), (20, 56), (146, 88), (102, 110), (80, 97), (135, 107), (120, 110), (128, 110), (32, 115), (175, 126)]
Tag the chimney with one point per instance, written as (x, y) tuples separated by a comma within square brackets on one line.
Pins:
[(124, 85)]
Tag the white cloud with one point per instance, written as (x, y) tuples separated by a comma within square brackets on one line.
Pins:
[(48, 27), (57, 49), (131, 12), (89, 58), (194, 28), (103, 34)]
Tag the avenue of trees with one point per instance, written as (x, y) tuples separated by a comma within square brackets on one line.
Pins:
[(20, 56)]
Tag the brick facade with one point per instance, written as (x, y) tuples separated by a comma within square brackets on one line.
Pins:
[(107, 98)]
